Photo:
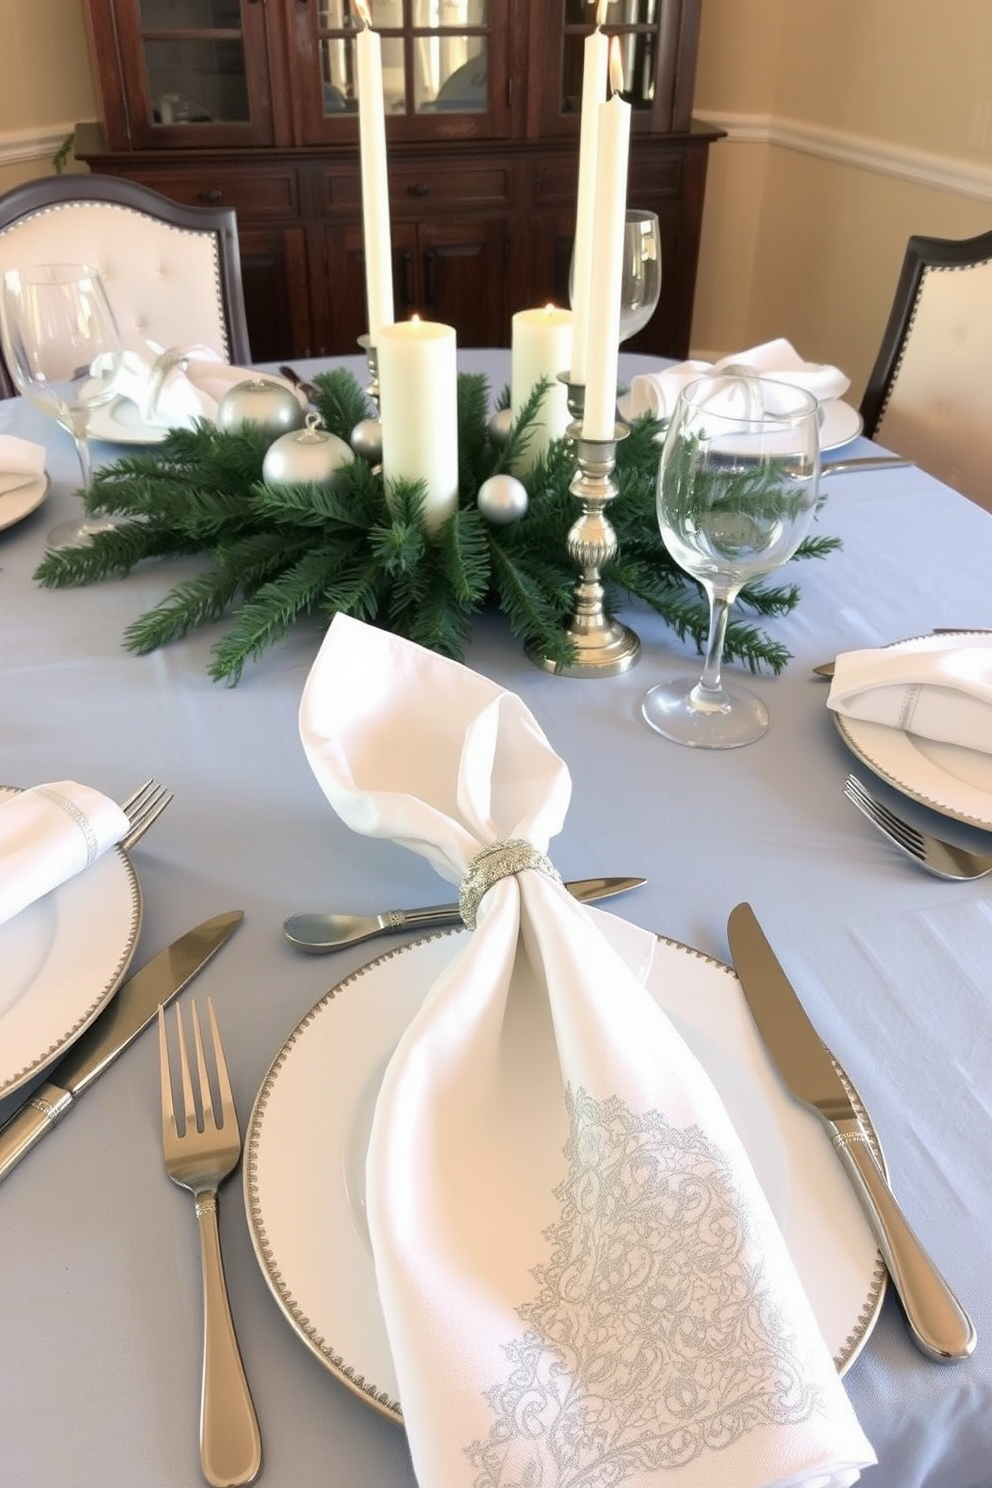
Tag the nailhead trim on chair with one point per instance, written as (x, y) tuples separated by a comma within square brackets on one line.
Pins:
[(118, 207)]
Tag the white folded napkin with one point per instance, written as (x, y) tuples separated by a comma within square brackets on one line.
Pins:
[(21, 462), (940, 693), (174, 386), (580, 1277), (656, 393), (50, 833)]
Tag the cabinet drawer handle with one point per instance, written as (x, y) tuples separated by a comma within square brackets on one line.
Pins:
[(213, 195), (419, 188)]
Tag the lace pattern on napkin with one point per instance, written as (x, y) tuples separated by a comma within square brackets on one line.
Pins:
[(79, 817), (655, 1335)]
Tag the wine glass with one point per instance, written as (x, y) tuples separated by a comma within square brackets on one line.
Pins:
[(63, 350), (640, 288), (736, 493)]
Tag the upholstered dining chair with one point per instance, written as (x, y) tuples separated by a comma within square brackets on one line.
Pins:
[(929, 395), (172, 272)]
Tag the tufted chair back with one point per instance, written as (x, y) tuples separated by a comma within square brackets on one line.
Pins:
[(929, 396), (172, 272)]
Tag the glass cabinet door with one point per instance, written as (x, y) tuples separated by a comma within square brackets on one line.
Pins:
[(195, 71), (443, 68), (649, 33)]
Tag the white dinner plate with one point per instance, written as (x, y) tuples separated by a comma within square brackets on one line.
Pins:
[(20, 503), (61, 958), (120, 422), (310, 1124), (841, 423), (946, 777)]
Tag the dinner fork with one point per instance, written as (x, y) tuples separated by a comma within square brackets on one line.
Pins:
[(143, 807), (942, 858), (200, 1152)]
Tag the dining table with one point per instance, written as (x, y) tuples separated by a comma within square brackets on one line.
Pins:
[(100, 1305)]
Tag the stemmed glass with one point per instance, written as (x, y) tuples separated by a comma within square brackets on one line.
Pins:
[(63, 350), (736, 494), (640, 288)]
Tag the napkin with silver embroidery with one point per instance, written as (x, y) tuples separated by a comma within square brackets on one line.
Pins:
[(581, 1279)]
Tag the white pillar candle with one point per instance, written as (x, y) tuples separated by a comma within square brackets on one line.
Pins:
[(375, 178), (594, 69), (541, 343), (599, 409), (418, 410)]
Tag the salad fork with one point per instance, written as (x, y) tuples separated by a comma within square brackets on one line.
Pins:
[(201, 1151), (942, 858), (143, 807)]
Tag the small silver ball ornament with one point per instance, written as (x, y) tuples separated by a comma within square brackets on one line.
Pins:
[(270, 406), (304, 456), (502, 499), (366, 440), (500, 426)]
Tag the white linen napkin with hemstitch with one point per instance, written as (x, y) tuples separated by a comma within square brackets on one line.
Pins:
[(657, 393), (175, 386), (580, 1277), (21, 462), (50, 833), (943, 694)]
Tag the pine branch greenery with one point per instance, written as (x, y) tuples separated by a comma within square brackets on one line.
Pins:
[(279, 553)]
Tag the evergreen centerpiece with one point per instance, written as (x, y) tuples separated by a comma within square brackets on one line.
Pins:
[(277, 552)]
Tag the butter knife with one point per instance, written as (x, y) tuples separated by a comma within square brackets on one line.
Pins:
[(130, 1010), (863, 462), (938, 1324), (320, 933)]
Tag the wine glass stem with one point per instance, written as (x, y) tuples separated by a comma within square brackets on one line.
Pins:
[(720, 605), (85, 464)]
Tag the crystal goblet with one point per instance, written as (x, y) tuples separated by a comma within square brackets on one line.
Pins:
[(736, 494), (63, 350)]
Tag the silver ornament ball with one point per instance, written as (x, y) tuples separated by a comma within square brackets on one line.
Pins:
[(305, 456), (270, 406), (366, 440), (502, 499), (500, 426)]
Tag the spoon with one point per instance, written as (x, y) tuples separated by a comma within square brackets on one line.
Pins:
[(320, 933)]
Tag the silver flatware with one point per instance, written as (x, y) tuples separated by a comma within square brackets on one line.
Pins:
[(201, 1143), (142, 809), (938, 1324), (944, 859), (863, 462), (320, 933), (129, 1011)]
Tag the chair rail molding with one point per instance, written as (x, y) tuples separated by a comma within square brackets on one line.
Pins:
[(40, 143), (863, 152)]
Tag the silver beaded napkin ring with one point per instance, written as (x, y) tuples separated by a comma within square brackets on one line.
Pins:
[(499, 860)]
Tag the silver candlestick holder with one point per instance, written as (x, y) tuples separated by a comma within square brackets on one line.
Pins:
[(604, 647), (366, 436)]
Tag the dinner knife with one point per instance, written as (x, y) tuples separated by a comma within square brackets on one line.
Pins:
[(130, 1010), (938, 1324), (320, 933)]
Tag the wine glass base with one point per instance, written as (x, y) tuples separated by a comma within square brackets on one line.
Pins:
[(685, 712), (76, 534)]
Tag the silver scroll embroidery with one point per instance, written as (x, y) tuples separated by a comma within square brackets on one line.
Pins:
[(655, 1335)]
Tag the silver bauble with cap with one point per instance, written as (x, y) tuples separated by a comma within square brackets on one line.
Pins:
[(306, 456)]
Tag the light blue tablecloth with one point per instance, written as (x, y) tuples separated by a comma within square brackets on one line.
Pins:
[(99, 1298)]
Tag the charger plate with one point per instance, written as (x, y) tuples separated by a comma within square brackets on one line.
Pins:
[(948, 778), (61, 959), (305, 1148), (840, 423), (120, 422), (17, 504)]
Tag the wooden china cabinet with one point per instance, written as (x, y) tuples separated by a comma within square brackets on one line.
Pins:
[(252, 104)]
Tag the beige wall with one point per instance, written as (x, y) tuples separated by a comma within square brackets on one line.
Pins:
[(851, 124)]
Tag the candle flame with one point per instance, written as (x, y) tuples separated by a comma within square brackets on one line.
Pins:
[(616, 66), (364, 14), (551, 305), (601, 9)]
